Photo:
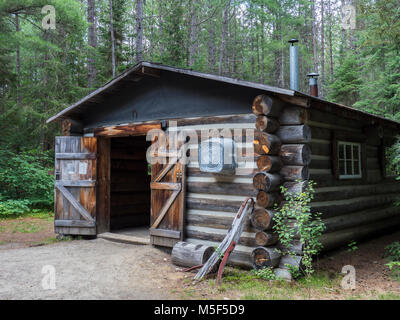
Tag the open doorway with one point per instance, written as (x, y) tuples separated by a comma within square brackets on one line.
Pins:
[(130, 187)]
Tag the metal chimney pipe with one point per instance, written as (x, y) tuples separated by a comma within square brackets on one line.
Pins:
[(294, 61), (313, 79)]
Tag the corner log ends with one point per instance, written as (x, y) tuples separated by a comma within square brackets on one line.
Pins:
[(262, 219), (295, 154), (266, 238), (293, 173), (266, 181), (294, 134), (282, 157), (266, 105), (265, 143), (269, 163), (265, 257), (267, 200), (263, 123)]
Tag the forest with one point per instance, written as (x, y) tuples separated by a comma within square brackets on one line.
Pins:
[(54, 52)]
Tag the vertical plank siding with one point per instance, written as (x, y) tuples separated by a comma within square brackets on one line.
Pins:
[(75, 191)]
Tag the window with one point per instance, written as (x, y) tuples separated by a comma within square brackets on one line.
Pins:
[(349, 157)]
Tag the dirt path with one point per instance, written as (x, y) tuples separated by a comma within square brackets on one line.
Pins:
[(99, 269), (88, 269)]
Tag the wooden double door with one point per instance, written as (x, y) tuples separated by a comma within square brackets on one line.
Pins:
[(82, 191)]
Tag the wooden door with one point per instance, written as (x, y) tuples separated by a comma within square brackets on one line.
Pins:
[(75, 185), (167, 203)]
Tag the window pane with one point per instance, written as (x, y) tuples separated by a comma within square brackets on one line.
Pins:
[(355, 152), (341, 151), (349, 169), (356, 168), (348, 151), (341, 167)]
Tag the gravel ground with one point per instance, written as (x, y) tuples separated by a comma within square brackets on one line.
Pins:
[(88, 269)]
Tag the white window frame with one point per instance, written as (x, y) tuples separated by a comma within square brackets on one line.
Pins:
[(346, 143)]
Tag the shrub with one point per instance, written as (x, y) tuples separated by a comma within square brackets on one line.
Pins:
[(24, 177), (265, 273), (393, 156), (293, 219), (13, 207), (392, 251)]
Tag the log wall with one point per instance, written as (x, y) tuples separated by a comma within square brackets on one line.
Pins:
[(352, 209), (290, 143), (213, 200)]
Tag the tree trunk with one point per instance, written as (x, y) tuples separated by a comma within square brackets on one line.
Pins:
[(321, 89), (262, 78), (112, 39), (139, 30), (330, 38), (314, 36), (18, 62), (92, 39), (222, 50), (193, 34), (160, 21)]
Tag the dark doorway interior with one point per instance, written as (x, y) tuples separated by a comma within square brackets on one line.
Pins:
[(130, 183)]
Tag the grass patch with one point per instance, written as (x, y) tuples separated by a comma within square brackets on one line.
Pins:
[(389, 296), (20, 225), (248, 286), (30, 222), (34, 213)]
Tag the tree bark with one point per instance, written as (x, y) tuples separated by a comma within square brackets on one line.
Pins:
[(139, 30), (193, 34), (92, 40), (330, 38), (112, 39), (160, 21), (18, 62), (321, 89), (314, 36), (222, 50)]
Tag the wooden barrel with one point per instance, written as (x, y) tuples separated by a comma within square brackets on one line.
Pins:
[(188, 254)]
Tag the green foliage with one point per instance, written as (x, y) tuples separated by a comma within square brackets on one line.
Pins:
[(293, 219), (219, 253), (392, 251), (393, 159), (13, 207), (265, 273), (24, 181), (345, 89), (294, 271), (352, 246)]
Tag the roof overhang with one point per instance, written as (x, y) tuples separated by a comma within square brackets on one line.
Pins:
[(153, 70)]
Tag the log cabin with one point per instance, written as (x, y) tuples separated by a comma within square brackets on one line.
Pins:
[(107, 179)]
